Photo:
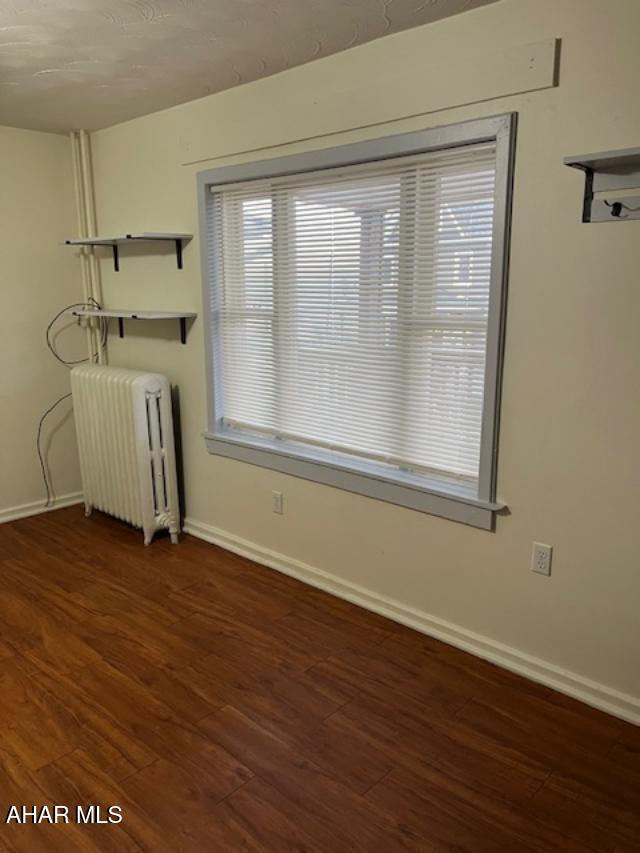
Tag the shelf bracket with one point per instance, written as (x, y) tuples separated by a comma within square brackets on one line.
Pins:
[(116, 260), (588, 194), (120, 327), (179, 254), (183, 330)]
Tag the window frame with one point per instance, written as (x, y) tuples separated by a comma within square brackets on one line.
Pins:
[(436, 496)]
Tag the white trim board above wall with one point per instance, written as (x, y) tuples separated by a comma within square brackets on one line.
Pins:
[(328, 110), (37, 507), (590, 692)]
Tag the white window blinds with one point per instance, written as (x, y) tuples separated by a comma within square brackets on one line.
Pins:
[(350, 308)]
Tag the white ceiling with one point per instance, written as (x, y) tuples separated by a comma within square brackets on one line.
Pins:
[(67, 64)]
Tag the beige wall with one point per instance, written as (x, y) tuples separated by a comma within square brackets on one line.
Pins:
[(37, 278), (569, 462)]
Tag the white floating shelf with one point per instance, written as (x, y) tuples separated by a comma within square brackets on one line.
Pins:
[(608, 172), (128, 314), (143, 237), (603, 161)]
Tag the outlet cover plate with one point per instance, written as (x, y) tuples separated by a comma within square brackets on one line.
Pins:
[(541, 558)]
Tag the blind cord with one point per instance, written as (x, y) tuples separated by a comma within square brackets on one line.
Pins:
[(90, 303)]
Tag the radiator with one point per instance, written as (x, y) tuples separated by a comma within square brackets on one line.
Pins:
[(124, 426)]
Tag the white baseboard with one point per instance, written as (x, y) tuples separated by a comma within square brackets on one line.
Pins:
[(590, 692), (13, 513)]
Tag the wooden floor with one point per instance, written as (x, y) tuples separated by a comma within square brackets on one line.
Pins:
[(224, 706)]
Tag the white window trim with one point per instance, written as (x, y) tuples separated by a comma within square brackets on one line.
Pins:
[(447, 499)]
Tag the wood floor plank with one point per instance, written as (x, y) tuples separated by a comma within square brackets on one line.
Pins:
[(451, 813), (152, 722), (188, 692), (38, 727), (190, 748), (125, 636), (227, 707), (239, 640), (188, 819), (519, 716), (573, 818), (293, 711), (626, 750), (292, 701), (20, 786), (272, 827), (50, 594), (612, 794), (324, 637), (322, 606), (427, 746), (108, 734), (76, 780), (367, 673), (426, 652), (111, 598), (242, 594), (576, 767), (24, 618), (347, 815)]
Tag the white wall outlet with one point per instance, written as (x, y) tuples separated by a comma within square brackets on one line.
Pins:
[(541, 558), (276, 502)]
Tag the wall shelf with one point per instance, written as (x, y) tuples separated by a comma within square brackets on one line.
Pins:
[(127, 314), (143, 237), (608, 172)]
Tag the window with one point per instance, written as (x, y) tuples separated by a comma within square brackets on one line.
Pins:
[(355, 312)]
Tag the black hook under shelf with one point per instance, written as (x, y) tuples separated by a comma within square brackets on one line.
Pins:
[(618, 206)]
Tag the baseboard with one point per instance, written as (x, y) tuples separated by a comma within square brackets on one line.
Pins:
[(590, 692), (13, 513)]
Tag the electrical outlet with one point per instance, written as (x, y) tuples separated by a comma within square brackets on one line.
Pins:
[(276, 502), (541, 558)]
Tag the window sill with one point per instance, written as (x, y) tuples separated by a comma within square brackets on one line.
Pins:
[(435, 496)]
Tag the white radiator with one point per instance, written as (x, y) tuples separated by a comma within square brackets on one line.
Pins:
[(125, 440)]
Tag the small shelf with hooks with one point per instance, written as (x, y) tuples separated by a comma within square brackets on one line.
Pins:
[(145, 237), (609, 172), (126, 314)]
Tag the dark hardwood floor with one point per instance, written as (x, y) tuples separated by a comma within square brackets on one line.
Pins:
[(226, 707)]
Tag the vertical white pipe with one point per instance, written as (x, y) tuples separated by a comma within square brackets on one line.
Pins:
[(82, 232), (89, 199), (88, 193)]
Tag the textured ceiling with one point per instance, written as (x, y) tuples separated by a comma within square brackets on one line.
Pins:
[(67, 64)]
